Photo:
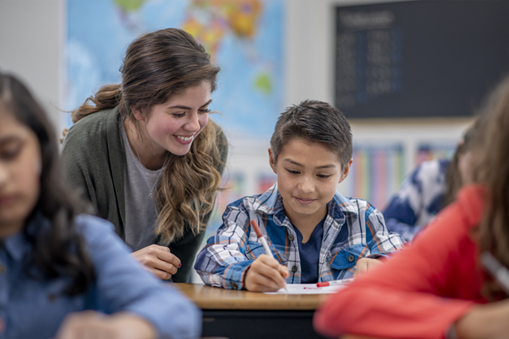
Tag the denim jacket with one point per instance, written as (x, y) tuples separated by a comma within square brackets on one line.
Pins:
[(352, 229)]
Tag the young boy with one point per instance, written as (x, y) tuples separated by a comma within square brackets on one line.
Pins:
[(314, 233)]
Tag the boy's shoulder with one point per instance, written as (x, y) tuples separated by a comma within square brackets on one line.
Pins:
[(265, 202), (352, 206)]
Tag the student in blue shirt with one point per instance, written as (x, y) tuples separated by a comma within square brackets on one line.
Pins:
[(54, 261), (432, 186), (314, 233)]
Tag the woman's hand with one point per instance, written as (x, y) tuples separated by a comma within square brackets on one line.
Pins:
[(365, 264), (265, 275), (158, 260), (91, 324)]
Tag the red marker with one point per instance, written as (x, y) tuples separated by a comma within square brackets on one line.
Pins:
[(334, 282), (260, 236)]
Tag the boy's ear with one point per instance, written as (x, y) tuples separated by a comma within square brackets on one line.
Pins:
[(138, 114), (346, 170), (271, 160)]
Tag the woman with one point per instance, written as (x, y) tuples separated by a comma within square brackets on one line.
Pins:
[(146, 155), (54, 261)]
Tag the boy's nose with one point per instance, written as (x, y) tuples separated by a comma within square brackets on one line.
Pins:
[(306, 185)]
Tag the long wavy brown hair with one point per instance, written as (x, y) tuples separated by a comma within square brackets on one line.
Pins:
[(157, 66), (491, 168)]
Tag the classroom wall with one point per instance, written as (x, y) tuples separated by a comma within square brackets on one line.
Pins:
[(31, 37), (309, 74)]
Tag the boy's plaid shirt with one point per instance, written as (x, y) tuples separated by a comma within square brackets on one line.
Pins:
[(352, 229)]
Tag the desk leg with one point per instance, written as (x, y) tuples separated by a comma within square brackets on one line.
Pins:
[(259, 324)]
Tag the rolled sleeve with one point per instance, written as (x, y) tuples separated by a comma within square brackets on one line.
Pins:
[(223, 261), (379, 239)]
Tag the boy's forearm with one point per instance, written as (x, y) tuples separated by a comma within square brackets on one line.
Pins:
[(229, 277)]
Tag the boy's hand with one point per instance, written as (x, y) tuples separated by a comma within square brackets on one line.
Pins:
[(265, 275), (366, 264)]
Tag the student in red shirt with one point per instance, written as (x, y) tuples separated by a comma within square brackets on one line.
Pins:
[(437, 287)]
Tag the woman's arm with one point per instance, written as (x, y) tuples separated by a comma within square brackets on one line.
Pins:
[(185, 249), (419, 293)]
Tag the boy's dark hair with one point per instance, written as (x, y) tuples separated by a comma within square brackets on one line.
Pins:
[(315, 121), (58, 250)]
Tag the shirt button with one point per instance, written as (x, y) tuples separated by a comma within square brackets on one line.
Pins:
[(294, 268), (290, 236), (351, 258), (2, 269), (234, 286)]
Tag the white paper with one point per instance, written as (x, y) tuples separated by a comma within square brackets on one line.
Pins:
[(309, 289)]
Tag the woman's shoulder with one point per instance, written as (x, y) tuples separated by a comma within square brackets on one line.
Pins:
[(87, 138), (92, 128)]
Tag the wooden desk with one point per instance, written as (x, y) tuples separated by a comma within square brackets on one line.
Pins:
[(246, 315)]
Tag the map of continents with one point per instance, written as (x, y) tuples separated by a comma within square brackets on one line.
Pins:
[(244, 38)]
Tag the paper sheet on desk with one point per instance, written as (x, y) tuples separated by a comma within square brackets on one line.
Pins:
[(308, 289)]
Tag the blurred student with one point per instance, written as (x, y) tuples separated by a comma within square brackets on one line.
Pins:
[(427, 190), (146, 155), (314, 233), (55, 261), (437, 287)]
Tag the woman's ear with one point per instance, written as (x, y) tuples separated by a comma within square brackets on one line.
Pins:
[(138, 114), (346, 170), (271, 160)]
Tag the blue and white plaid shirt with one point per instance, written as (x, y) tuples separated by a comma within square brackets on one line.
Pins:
[(418, 200), (352, 229)]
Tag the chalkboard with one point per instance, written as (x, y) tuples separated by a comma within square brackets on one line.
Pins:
[(419, 58)]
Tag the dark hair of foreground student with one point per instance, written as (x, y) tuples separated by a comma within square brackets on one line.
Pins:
[(57, 249)]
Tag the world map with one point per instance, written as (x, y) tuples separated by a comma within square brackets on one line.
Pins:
[(244, 37)]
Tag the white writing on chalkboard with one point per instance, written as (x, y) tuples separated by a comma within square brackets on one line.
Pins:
[(366, 20), (368, 62)]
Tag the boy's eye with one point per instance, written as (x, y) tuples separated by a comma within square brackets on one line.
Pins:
[(323, 176), (292, 171)]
